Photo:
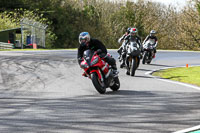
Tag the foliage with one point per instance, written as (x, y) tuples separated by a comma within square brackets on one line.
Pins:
[(107, 21), (12, 19), (6, 22)]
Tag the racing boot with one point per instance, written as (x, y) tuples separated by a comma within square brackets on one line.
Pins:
[(119, 51), (122, 63), (115, 72), (127, 72)]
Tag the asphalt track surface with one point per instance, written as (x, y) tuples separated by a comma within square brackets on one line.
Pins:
[(44, 92)]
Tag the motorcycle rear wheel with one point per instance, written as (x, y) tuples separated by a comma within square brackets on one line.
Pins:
[(98, 84), (149, 62), (116, 85)]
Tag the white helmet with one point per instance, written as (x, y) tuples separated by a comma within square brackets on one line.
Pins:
[(152, 32), (84, 38), (133, 31)]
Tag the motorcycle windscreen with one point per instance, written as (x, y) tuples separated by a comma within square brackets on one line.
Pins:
[(134, 49), (87, 55), (150, 44)]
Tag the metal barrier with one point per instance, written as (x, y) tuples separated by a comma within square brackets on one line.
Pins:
[(4, 45)]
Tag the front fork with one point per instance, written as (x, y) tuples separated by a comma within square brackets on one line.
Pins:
[(129, 60), (98, 72)]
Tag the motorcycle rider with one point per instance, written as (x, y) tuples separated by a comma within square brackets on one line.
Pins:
[(86, 42), (152, 38), (122, 47), (134, 37)]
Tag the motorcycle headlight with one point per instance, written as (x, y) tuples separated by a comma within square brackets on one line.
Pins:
[(95, 61), (135, 48), (84, 66)]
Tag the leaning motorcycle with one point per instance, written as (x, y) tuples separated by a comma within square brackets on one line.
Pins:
[(99, 71), (132, 57), (148, 52)]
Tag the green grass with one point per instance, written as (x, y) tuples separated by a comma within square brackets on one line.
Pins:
[(189, 75), (195, 131)]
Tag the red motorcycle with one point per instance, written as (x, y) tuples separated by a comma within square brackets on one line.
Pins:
[(99, 72)]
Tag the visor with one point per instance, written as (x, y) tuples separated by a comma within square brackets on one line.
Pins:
[(132, 33), (83, 39)]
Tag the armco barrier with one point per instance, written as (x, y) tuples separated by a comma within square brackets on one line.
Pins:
[(4, 45)]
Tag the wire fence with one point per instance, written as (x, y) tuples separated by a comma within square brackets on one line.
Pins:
[(32, 32)]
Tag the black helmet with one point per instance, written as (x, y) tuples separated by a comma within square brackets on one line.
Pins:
[(128, 30)]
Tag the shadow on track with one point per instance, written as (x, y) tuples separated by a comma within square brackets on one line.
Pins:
[(122, 111), (146, 70), (143, 77)]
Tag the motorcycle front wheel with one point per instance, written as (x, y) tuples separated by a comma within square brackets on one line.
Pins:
[(133, 66), (98, 84), (144, 58)]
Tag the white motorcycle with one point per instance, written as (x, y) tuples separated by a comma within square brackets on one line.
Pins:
[(132, 57), (148, 52)]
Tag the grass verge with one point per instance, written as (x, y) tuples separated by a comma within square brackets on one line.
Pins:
[(189, 75)]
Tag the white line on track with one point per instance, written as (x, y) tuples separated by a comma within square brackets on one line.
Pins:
[(179, 83), (189, 129)]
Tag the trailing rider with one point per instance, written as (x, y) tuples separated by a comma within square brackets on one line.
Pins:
[(151, 37)]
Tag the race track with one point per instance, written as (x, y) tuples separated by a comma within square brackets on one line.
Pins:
[(44, 92)]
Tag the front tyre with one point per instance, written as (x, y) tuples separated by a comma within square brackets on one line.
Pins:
[(138, 63), (98, 84), (116, 85), (150, 58), (144, 58), (133, 66)]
